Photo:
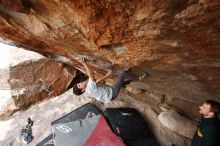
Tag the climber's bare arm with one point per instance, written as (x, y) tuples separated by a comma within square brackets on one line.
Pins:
[(104, 77), (89, 71)]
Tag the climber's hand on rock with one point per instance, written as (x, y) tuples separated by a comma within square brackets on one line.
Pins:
[(109, 72), (81, 60)]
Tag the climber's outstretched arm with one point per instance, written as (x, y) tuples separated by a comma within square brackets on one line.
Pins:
[(104, 77), (89, 71)]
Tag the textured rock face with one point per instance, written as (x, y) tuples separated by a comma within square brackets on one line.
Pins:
[(175, 122), (177, 41), (36, 80), (177, 37), (9, 57), (33, 81)]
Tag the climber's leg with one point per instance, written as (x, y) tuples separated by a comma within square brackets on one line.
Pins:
[(120, 80)]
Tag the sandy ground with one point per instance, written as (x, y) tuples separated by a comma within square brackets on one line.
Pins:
[(42, 114), (49, 110)]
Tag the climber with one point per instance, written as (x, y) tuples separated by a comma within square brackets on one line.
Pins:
[(208, 131), (102, 92)]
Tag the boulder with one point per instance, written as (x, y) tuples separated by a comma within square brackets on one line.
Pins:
[(177, 123), (134, 90), (34, 81)]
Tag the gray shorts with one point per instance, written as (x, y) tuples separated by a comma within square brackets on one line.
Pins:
[(120, 80)]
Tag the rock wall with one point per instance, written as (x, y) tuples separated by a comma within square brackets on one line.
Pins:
[(177, 42), (178, 39), (34, 81)]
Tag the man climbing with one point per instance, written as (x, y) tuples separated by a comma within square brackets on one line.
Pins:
[(208, 132), (102, 92)]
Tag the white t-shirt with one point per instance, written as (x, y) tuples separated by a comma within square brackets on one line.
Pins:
[(100, 93)]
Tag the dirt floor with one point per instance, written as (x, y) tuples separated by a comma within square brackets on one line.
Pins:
[(49, 110)]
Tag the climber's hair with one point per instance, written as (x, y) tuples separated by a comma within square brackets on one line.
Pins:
[(214, 106), (76, 90)]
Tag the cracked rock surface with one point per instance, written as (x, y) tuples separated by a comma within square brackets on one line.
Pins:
[(177, 42)]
